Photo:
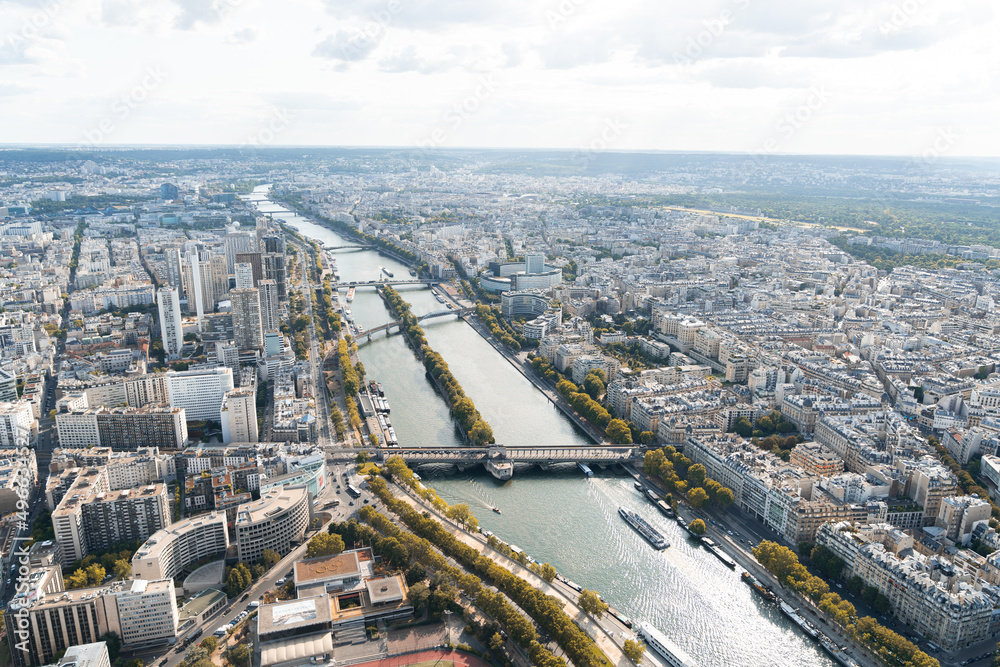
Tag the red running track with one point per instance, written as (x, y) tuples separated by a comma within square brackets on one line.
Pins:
[(460, 659)]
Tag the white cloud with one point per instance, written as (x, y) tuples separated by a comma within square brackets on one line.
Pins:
[(243, 36), (715, 75)]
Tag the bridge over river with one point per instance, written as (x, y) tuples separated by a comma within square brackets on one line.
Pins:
[(389, 326), (499, 460)]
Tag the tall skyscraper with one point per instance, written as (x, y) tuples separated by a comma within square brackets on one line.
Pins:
[(244, 275), (239, 416), (168, 192), (274, 269), (237, 243), (175, 268), (192, 285), (255, 262), (248, 330), (269, 317), (171, 330), (215, 280)]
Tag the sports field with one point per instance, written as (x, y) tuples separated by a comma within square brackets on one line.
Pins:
[(428, 659)]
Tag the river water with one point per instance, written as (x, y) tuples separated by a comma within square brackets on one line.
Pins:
[(558, 516)]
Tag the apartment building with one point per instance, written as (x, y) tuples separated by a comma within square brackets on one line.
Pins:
[(238, 415), (123, 428), (91, 516), (199, 392), (143, 613), (816, 459), (167, 552), (276, 521)]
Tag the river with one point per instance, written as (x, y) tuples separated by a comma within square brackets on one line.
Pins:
[(558, 516)]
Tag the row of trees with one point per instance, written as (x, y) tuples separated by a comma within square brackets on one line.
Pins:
[(681, 476), (330, 319), (462, 407), (239, 577), (617, 431), (893, 648), (545, 610), (350, 381), (93, 568), (447, 579), (298, 325), (503, 330)]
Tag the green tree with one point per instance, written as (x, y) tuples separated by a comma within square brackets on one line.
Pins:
[(238, 655), (725, 497), (547, 572), (855, 585), (270, 558), (210, 643), (647, 437), (325, 544), (114, 643), (652, 461), (123, 569), (591, 603), (415, 573), (462, 515), (697, 497), (634, 650), (743, 427), (696, 475), (697, 527), (619, 432), (481, 433), (593, 385)]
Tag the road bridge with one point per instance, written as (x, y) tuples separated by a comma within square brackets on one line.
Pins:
[(377, 283), (499, 460), (461, 312), (348, 247)]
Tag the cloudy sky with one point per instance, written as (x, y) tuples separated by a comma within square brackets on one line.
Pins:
[(903, 77)]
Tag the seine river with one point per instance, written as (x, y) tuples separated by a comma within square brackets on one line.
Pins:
[(559, 516)]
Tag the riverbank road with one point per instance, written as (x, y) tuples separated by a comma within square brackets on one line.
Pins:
[(607, 632)]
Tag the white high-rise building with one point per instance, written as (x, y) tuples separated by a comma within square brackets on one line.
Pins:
[(199, 392), (244, 275), (248, 330), (239, 416), (534, 263), (269, 316), (228, 355), (192, 285), (18, 426), (171, 326)]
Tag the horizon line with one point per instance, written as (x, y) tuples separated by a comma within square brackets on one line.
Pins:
[(70, 147)]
